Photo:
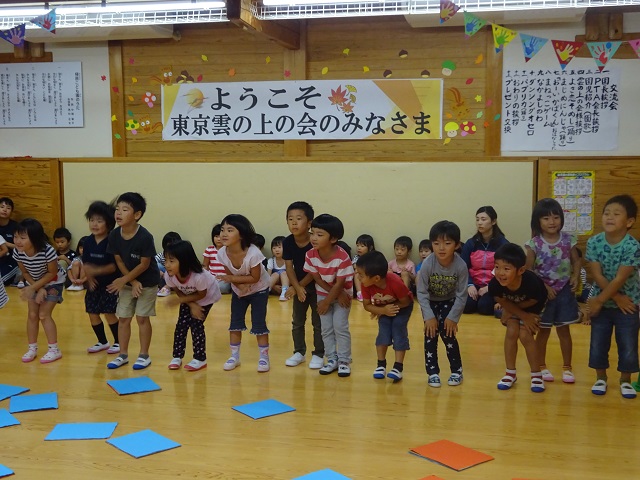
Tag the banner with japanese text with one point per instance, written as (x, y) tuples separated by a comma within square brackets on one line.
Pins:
[(304, 110)]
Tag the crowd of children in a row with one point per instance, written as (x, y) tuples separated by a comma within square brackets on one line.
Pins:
[(534, 288)]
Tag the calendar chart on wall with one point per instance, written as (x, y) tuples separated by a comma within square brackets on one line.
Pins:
[(574, 190)]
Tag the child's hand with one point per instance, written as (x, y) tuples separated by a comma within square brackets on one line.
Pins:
[(92, 283), (323, 307), (391, 309), (551, 293), (224, 278), (594, 305), (483, 290), (624, 303), (431, 327), (531, 322), (41, 296), (450, 327), (196, 311), (301, 292), (574, 282), (136, 288), (374, 316), (344, 300), (27, 293), (116, 285), (473, 292)]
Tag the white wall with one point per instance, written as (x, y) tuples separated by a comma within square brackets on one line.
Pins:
[(92, 140)]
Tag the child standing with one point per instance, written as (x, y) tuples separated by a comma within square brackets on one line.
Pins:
[(553, 256), (168, 239), (133, 248), (401, 265), (62, 240), (522, 295), (98, 269), (388, 298), (442, 293), (210, 260), (3, 293), (364, 244), (614, 259), (38, 263), (249, 287), (302, 289), (424, 250), (277, 270), (9, 270), (332, 272), (196, 292)]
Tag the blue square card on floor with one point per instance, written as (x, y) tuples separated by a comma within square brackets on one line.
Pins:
[(264, 408), (5, 471), (128, 386), (7, 391), (7, 420), (326, 474), (28, 403), (143, 443), (81, 431)]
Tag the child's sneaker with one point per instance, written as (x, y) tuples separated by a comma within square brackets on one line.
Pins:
[(75, 288), (142, 363), (117, 362), (316, 362), (175, 363), (507, 382), (359, 296), (164, 292), (455, 379), (330, 367), (379, 373), (627, 390), (567, 377), (283, 298), (98, 347), (434, 381), (21, 284), (547, 376), (195, 365), (115, 348), (53, 355), (263, 364), (344, 370), (395, 374), (599, 388), (30, 355), (537, 384), (231, 363), (294, 360)]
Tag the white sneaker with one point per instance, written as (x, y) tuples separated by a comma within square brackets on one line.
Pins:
[(316, 362), (295, 360), (263, 364), (175, 363), (231, 363), (164, 292), (98, 347), (283, 298), (75, 288), (195, 365), (51, 356), (115, 348)]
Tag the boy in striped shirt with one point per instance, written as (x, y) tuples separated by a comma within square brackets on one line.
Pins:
[(332, 271)]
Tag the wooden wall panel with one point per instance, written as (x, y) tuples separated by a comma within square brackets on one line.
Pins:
[(34, 186)]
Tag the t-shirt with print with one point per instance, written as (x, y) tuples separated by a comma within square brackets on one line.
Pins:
[(625, 253), (437, 283), (197, 282), (38, 265), (391, 293), (96, 254), (407, 267), (338, 266), (252, 258), (131, 251), (215, 267), (553, 260), (531, 287), (291, 251)]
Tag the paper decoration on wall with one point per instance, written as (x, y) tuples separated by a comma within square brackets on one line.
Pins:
[(184, 77), (15, 36), (199, 78), (457, 103), (147, 127), (117, 136), (472, 24), (478, 98), (131, 61), (46, 21), (232, 72), (602, 52), (130, 98), (113, 118), (403, 54), (149, 98), (447, 10), (365, 69), (115, 89), (451, 128), (467, 128), (267, 60), (531, 45), (502, 37), (130, 113), (204, 58), (287, 73), (469, 81), (479, 59), (346, 51), (635, 45), (325, 70), (448, 67), (387, 74), (132, 125), (425, 73), (134, 80), (565, 51), (164, 78), (479, 114), (103, 77)]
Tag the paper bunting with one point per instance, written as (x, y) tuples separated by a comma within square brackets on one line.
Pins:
[(502, 36), (472, 24), (565, 51), (447, 10), (602, 52), (531, 45), (15, 36), (635, 44), (46, 21)]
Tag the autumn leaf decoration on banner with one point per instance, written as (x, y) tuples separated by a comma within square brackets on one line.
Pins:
[(531, 45), (602, 52), (46, 21), (502, 36), (15, 36), (447, 10), (472, 24), (565, 51)]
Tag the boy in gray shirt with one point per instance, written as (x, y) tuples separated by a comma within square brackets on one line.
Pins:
[(442, 293)]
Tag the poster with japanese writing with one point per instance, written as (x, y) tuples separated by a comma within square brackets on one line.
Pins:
[(560, 110), (41, 95), (304, 110), (574, 190)]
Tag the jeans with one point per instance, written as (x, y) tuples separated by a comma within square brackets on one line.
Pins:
[(626, 330)]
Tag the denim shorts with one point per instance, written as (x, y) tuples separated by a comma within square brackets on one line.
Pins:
[(393, 330), (560, 311), (54, 292), (626, 327), (239, 305)]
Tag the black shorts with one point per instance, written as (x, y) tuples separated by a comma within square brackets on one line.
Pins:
[(100, 301)]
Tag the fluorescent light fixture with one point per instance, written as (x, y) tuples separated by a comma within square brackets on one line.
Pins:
[(138, 7)]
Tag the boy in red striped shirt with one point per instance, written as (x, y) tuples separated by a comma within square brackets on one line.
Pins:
[(332, 272)]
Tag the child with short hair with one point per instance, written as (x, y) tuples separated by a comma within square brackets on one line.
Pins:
[(424, 250), (614, 259), (196, 292), (76, 273), (522, 295), (39, 265), (249, 287), (277, 270), (210, 259), (134, 250), (302, 287), (401, 265), (364, 244), (9, 271), (387, 298), (332, 271), (168, 239), (3, 293), (62, 240), (442, 293)]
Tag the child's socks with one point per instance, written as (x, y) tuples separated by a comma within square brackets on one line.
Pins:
[(234, 359), (263, 362)]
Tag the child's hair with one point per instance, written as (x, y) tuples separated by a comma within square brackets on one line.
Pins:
[(304, 206), (493, 215), (330, 224), (170, 238), (277, 241), (81, 243), (215, 231), (426, 243), (104, 210), (62, 233), (7, 200), (403, 241), (35, 232), (183, 252), (627, 202), (373, 263), (511, 253), (366, 240), (259, 241), (345, 246), (244, 227), (544, 207), (445, 229), (137, 202)]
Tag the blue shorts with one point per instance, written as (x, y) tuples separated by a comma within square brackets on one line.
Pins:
[(393, 330), (562, 310), (239, 305), (54, 293)]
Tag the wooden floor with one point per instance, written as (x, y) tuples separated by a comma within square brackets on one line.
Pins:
[(358, 426)]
